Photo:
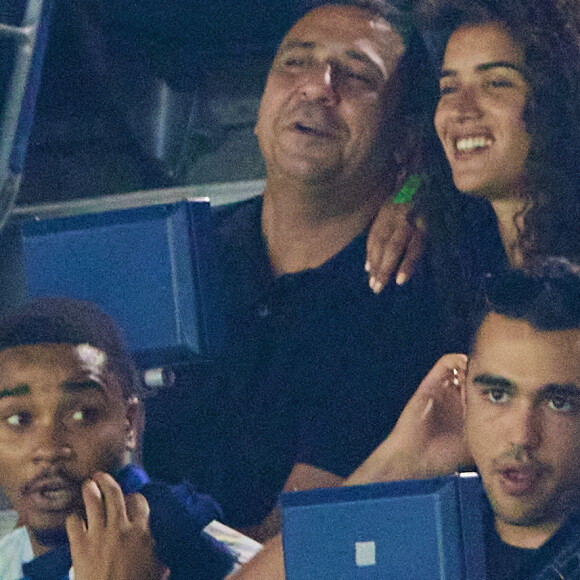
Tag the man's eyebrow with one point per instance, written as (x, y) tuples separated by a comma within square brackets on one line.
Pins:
[(290, 44), (361, 57), (483, 67), (86, 385), (569, 389), (496, 381), (18, 391)]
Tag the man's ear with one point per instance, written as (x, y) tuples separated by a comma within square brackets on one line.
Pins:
[(134, 423)]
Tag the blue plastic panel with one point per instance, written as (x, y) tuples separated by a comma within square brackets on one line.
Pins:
[(411, 530), (143, 266)]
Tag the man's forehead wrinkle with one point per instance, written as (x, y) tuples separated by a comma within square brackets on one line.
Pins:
[(76, 385)]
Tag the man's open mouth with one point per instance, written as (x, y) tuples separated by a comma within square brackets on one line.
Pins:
[(55, 494), (520, 481), (314, 131)]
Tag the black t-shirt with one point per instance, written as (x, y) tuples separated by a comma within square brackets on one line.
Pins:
[(505, 562)]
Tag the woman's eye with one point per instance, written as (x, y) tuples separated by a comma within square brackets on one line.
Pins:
[(500, 83)]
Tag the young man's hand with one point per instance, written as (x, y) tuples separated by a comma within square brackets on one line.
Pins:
[(115, 543), (427, 440)]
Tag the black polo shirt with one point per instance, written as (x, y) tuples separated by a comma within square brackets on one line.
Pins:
[(316, 368)]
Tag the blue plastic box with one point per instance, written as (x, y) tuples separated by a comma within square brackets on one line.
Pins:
[(150, 268), (404, 530)]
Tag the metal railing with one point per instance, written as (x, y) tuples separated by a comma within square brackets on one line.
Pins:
[(14, 130)]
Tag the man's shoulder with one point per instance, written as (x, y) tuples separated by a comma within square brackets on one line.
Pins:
[(15, 549), (237, 213), (16, 540), (240, 252)]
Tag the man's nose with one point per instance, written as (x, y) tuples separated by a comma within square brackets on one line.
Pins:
[(52, 443), (320, 84), (525, 428)]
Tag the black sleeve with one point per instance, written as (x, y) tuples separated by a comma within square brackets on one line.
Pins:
[(178, 516)]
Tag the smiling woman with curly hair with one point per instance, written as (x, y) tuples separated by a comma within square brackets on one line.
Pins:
[(506, 136), (533, 183), (503, 161)]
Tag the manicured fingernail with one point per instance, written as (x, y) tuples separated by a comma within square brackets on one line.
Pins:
[(401, 278), (94, 488), (367, 266), (428, 407), (377, 287)]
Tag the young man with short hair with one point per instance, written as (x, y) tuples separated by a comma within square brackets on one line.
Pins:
[(69, 421), (522, 419)]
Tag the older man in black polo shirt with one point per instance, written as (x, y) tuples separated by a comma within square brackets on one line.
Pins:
[(317, 367)]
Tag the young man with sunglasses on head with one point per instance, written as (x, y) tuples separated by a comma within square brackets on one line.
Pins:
[(515, 409)]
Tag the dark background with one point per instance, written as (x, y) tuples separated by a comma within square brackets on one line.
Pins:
[(141, 94)]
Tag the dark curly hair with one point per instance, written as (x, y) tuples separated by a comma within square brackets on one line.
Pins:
[(463, 241), (548, 34)]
